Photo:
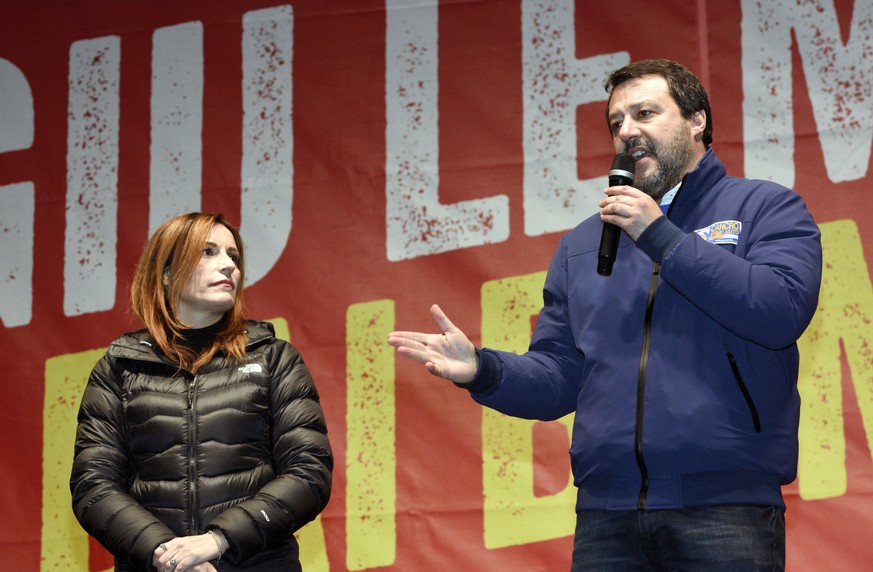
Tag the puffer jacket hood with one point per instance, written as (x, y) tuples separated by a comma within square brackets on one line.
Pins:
[(161, 452)]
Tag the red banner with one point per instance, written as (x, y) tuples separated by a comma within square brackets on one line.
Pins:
[(380, 156)]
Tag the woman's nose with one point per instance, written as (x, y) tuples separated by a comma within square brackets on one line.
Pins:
[(227, 264)]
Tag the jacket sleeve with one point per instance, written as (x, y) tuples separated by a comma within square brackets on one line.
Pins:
[(302, 459), (544, 382), (767, 292), (99, 478)]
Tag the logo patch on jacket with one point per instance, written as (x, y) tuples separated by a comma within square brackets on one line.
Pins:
[(251, 368), (722, 232)]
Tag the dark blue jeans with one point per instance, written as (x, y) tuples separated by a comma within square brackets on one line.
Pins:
[(713, 538)]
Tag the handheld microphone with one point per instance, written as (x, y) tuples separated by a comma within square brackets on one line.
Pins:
[(621, 173)]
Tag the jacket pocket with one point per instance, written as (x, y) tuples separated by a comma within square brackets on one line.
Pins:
[(756, 420)]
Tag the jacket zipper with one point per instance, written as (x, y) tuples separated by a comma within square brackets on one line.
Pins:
[(641, 389), (756, 420), (192, 458)]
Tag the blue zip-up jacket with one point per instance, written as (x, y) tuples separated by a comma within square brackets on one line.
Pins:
[(682, 365)]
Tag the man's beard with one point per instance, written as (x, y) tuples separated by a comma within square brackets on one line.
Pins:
[(673, 163)]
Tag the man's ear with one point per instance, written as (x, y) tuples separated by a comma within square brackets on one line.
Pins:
[(698, 123)]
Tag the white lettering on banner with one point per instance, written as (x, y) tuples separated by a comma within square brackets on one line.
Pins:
[(16, 102), (554, 84), (176, 122), (839, 79), (92, 176), (267, 162), (176, 106), (16, 200), (417, 224), (17, 210)]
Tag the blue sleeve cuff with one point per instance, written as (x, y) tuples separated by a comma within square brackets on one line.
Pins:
[(487, 376), (660, 238)]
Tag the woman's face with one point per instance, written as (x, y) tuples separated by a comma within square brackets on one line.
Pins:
[(212, 289)]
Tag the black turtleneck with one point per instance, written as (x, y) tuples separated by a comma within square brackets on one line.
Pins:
[(200, 339)]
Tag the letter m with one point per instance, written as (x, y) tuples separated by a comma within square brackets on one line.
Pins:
[(839, 78)]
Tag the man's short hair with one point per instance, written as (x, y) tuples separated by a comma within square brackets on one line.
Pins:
[(685, 89)]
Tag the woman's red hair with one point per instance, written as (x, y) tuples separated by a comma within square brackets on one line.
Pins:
[(164, 270)]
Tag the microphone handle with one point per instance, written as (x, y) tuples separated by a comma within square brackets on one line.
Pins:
[(609, 238), (611, 234)]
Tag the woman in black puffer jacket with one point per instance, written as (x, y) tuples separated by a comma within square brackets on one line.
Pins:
[(201, 442)]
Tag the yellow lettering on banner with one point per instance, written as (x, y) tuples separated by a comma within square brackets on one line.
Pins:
[(844, 313), (513, 514), (64, 542), (313, 551), (371, 533)]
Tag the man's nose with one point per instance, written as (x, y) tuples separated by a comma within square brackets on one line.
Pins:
[(628, 130)]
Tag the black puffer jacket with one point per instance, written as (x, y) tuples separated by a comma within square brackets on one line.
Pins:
[(162, 453)]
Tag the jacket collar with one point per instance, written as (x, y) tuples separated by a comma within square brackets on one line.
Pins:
[(697, 182), (258, 332), (136, 345), (141, 346), (704, 175)]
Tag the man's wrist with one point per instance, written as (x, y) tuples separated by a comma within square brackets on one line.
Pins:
[(660, 238), (488, 374)]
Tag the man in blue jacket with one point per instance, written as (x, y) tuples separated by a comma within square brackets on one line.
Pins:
[(682, 365)]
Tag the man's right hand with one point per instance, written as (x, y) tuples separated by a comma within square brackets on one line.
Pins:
[(449, 354)]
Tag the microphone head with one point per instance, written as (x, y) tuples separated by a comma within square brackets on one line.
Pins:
[(623, 162)]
